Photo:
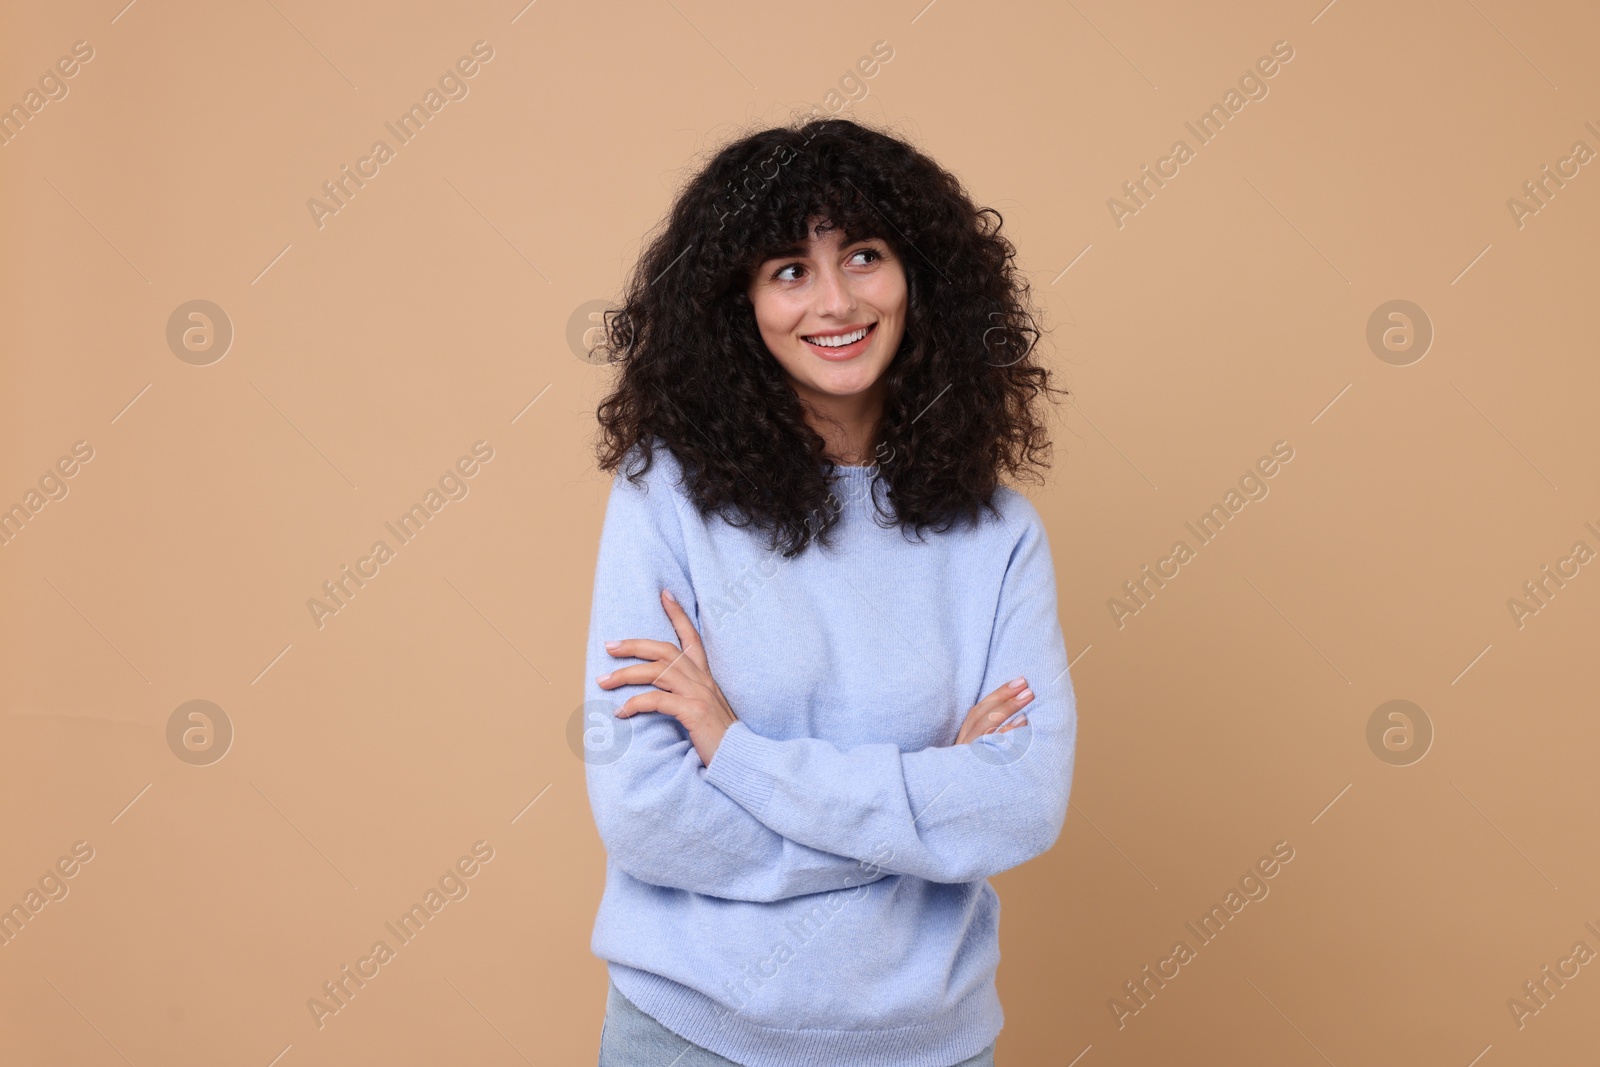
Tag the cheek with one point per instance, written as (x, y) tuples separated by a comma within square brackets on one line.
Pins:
[(893, 339), (778, 319), (770, 316), (889, 291), (890, 300), (775, 330)]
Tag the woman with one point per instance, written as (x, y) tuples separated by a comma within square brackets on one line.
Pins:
[(799, 798)]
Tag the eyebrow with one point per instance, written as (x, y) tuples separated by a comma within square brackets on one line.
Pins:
[(799, 251)]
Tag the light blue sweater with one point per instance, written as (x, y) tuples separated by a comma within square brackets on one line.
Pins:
[(819, 894)]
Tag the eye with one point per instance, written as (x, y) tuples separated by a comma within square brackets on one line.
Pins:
[(875, 253)]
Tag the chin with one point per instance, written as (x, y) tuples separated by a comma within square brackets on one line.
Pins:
[(844, 385)]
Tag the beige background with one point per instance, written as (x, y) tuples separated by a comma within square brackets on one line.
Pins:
[(432, 312)]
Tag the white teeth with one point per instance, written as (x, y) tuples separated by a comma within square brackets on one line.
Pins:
[(839, 341)]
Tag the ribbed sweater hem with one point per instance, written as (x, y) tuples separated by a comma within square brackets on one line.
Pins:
[(948, 1039)]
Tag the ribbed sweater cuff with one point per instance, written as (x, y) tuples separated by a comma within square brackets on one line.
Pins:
[(741, 768)]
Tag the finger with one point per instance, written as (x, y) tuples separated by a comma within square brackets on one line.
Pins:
[(653, 700), (992, 723), (663, 655), (680, 670), (688, 637), (1008, 726), (654, 673), (643, 648), (979, 715), (1009, 688), (994, 707), (997, 728), (1001, 697)]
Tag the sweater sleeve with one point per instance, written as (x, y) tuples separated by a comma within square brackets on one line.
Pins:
[(660, 820), (955, 813)]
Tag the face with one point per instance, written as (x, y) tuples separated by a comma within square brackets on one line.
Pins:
[(827, 291)]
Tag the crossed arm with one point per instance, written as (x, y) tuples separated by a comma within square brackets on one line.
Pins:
[(762, 819)]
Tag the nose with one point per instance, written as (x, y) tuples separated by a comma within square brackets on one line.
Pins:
[(835, 297)]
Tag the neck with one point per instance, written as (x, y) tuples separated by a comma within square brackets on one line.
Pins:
[(849, 424)]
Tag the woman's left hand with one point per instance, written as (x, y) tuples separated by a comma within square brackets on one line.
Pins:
[(682, 678)]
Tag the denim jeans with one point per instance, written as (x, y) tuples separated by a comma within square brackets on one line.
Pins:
[(630, 1038)]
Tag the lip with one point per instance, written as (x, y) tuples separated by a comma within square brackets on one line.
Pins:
[(849, 351)]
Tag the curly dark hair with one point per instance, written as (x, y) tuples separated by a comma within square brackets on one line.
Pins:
[(695, 373)]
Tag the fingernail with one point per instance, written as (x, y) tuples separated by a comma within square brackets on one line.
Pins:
[(1018, 680), (1025, 694), (993, 715), (602, 678), (612, 646), (668, 594)]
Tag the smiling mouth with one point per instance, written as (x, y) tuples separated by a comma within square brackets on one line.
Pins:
[(840, 340)]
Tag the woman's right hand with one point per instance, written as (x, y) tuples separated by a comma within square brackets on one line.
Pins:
[(987, 714)]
